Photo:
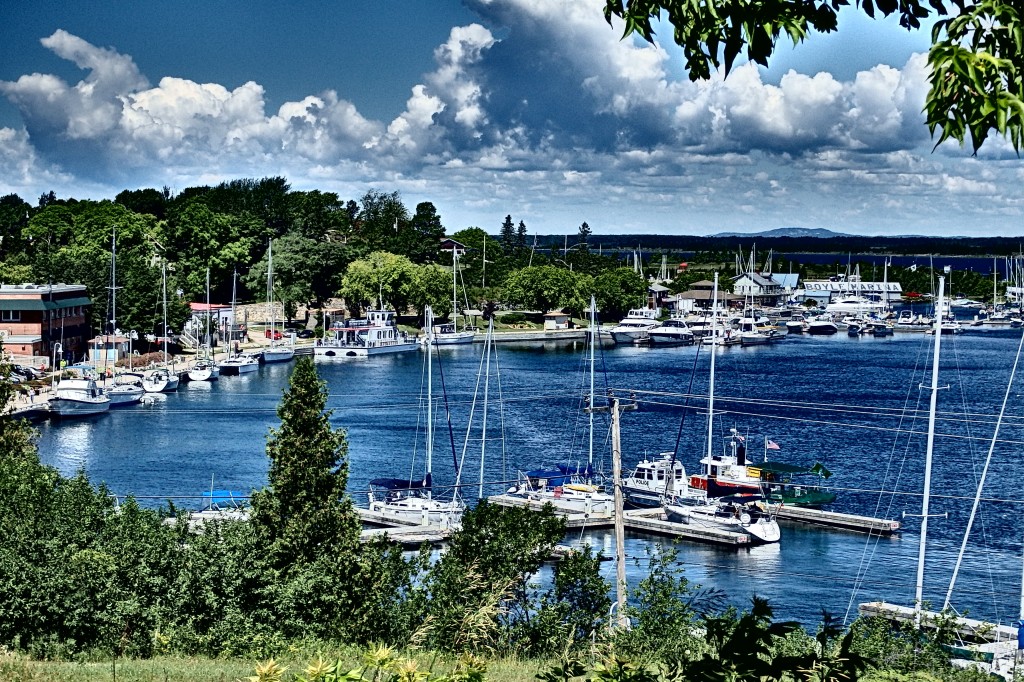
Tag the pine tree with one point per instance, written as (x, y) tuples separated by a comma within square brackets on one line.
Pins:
[(521, 236), (508, 235), (304, 512)]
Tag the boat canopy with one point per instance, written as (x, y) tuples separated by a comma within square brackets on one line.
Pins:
[(562, 474), (400, 483), (782, 468), (232, 499)]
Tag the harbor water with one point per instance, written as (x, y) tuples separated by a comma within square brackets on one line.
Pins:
[(858, 405)]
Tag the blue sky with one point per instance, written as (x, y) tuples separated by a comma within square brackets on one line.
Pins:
[(533, 108)]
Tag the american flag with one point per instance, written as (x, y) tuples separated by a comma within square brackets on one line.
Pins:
[(772, 445)]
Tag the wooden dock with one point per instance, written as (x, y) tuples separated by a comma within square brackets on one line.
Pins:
[(650, 521), (827, 519), (966, 628)]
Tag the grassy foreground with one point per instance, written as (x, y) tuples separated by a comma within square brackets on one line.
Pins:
[(14, 668)]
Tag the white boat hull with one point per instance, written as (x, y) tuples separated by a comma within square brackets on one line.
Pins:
[(425, 511), (160, 381), (340, 352), (761, 529), (456, 339), (68, 407), (667, 339), (231, 367), (204, 374), (278, 355), (121, 396)]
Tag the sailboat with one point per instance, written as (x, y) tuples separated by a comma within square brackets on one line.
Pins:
[(737, 513), (163, 379), (413, 500), (274, 352), (448, 334), (565, 487), (127, 388), (205, 368), (236, 363)]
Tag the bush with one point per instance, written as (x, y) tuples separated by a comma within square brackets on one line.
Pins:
[(512, 318)]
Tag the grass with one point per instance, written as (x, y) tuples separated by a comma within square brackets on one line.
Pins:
[(15, 668)]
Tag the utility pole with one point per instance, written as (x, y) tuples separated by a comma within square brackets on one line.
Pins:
[(617, 408)]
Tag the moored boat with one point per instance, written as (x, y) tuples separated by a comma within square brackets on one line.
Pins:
[(376, 334), (77, 398), (635, 326)]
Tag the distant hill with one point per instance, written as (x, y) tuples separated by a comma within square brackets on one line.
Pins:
[(794, 232)]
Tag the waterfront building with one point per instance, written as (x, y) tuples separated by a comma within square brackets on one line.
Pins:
[(34, 317)]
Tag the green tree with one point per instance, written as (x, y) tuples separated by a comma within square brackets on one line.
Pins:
[(478, 245), (547, 287), (304, 513), (508, 236), (423, 239), (381, 221), (976, 61), (382, 277), (618, 290), (432, 285)]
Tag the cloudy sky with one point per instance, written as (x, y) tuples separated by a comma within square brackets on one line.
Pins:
[(533, 108)]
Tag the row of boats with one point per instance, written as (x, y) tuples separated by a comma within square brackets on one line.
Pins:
[(86, 393)]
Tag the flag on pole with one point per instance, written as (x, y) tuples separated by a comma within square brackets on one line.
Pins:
[(772, 445)]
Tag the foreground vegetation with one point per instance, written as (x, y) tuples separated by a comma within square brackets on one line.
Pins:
[(87, 586)]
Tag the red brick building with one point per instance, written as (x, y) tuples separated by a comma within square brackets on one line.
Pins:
[(33, 317)]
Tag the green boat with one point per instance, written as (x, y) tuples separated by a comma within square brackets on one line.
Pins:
[(793, 485)]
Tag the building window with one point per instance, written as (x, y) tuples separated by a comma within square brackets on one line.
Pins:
[(10, 316)]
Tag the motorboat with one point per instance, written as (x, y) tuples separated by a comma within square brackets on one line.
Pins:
[(78, 398), (736, 513), (274, 353), (854, 305), (653, 479), (376, 334), (673, 332), (635, 326), (448, 334), (822, 325), (239, 363), (796, 324), (160, 380)]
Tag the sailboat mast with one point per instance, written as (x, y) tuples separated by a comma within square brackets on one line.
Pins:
[(593, 342), (455, 288), (270, 288), (208, 341), (429, 315), (488, 345), (926, 495), (163, 269), (711, 371)]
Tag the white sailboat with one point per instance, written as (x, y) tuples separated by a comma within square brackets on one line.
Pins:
[(275, 352), (413, 500), (448, 334), (565, 487), (126, 389), (205, 368), (163, 379), (236, 363), (737, 513)]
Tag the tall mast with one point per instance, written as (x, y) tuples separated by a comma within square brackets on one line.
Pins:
[(593, 342), (163, 269), (926, 494), (429, 315), (455, 288), (711, 371), (270, 288), (234, 322), (209, 345)]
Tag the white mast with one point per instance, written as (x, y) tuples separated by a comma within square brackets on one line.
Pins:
[(270, 289), (926, 495), (455, 289), (163, 270), (593, 342), (711, 371)]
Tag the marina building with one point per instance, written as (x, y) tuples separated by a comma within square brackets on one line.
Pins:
[(36, 317)]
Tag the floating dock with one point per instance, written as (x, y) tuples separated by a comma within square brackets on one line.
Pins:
[(827, 519), (636, 520)]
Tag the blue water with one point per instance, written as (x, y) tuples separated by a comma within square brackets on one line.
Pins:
[(853, 403)]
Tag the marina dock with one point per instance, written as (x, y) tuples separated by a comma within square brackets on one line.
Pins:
[(827, 519)]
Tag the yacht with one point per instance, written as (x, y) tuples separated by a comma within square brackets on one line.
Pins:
[(653, 480), (673, 332), (78, 398), (635, 326), (854, 305), (239, 363), (377, 334), (822, 325)]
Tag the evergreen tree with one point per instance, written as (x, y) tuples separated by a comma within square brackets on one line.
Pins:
[(584, 233), (304, 513), (521, 236), (508, 235)]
